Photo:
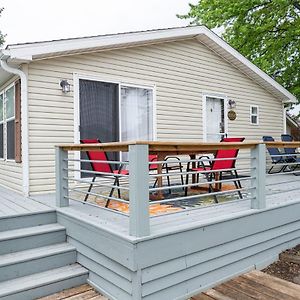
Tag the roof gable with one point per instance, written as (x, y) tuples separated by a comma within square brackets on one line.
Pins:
[(43, 50)]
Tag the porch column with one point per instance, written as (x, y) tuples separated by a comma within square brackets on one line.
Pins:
[(61, 165), (258, 165), (139, 224)]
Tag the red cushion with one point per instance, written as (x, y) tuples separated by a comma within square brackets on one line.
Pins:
[(97, 155), (123, 172)]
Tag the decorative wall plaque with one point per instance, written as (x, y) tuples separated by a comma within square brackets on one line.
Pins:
[(231, 115)]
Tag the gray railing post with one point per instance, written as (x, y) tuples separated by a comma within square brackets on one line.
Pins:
[(61, 164), (139, 224), (258, 164)]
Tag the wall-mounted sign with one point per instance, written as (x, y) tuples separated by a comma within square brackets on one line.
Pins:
[(231, 115)]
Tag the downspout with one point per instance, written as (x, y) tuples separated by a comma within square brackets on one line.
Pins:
[(24, 120), (284, 118)]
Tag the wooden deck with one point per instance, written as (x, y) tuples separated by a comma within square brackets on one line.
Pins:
[(81, 292), (13, 204), (253, 285), (250, 286)]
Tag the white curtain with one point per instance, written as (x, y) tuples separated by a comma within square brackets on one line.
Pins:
[(136, 113)]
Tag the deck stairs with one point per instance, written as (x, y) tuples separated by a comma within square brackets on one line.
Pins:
[(35, 258)]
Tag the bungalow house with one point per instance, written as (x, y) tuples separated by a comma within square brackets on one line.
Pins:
[(172, 84)]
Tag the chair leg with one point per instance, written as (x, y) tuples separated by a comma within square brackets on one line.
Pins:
[(181, 176), (238, 185), (168, 178), (112, 191), (209, 178), (90, 188), (238, 181), (186, 182)]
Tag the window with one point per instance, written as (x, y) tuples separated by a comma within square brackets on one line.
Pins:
[(254, 115), (10, 122)]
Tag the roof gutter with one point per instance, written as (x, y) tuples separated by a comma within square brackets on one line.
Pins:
[(24, 116)]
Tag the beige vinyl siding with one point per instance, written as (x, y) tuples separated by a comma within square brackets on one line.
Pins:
[(182, 72), (10, 171)]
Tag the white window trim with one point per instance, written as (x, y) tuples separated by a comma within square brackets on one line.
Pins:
[(257, 115), (138, 84), (5, 121), (2, 122), (204, 123)]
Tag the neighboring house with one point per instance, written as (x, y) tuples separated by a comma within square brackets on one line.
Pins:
[(293, 127), (170, 84)]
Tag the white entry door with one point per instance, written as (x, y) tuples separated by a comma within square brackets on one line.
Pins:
[(214, 120)]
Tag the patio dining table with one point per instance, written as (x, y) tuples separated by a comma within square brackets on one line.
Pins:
[(162, 155)]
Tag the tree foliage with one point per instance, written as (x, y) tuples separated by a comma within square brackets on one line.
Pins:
[(266, 32), (2, 36)]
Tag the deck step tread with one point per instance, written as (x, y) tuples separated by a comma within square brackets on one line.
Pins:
[(35, 230), (40, 279), (35, 253)]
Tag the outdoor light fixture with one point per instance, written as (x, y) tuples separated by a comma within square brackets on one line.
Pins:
[(65, 86), (231, 104)]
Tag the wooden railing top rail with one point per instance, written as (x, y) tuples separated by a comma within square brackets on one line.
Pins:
[(159, 146), (174, 146), (283, 144)]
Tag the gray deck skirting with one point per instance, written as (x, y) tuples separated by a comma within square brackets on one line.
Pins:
[(184, 262)]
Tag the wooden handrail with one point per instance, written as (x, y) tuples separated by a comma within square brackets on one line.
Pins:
[(174, 146), (283, 144), (159, 146)]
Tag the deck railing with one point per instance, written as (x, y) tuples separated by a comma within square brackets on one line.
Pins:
[(153, 189)]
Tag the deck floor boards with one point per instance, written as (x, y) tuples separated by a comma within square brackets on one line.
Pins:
[(12, 204), (253, 285), (81, 292)]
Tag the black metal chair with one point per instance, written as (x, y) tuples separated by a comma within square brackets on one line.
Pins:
[(291, 153), (276, 156)]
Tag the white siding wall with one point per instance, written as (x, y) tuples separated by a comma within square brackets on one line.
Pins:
[(10, 171), (182, 72)]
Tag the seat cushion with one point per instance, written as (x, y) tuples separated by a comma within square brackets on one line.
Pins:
[(123, 172)]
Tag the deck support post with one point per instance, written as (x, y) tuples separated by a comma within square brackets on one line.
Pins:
[(139, 224), (61, 165), (258, 170)]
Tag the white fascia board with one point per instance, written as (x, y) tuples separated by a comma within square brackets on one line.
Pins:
[(35, 50), (216, 39)]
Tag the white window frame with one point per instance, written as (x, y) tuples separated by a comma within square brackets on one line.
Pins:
[(5, 121), (8, 120), (2, 122), (137, 84), (204, 121), (252, 115)]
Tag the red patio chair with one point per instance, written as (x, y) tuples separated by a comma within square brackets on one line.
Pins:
[(103, 167), (218, 165)]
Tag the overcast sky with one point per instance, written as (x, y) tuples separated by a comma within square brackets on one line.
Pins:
[(36, 20)]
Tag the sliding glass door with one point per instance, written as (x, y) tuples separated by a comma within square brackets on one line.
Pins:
[(136, 113), (114, 112)]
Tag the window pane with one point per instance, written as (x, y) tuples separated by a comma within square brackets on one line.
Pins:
[(254, 110), (1, 107), (136, 113), (11, 139), (10, 102), (254, 119), (1, 141)]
